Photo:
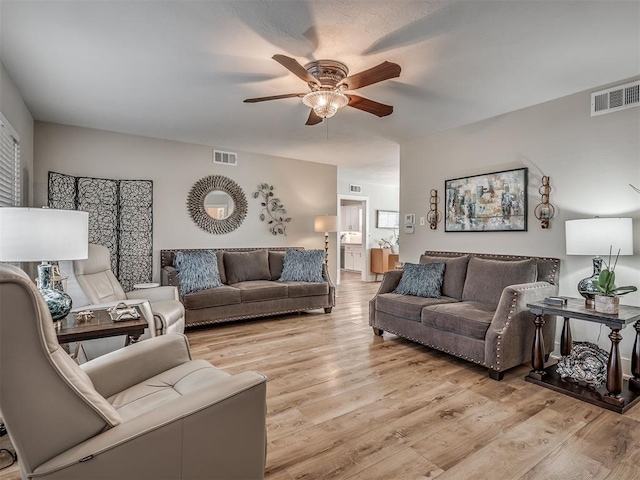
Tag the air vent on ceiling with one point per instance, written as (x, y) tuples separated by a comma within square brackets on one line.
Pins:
[(615, 99), (225, 158), (355, 188)]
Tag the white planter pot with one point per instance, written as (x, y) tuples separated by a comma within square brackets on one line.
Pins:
[(395, 248), (605, 304)]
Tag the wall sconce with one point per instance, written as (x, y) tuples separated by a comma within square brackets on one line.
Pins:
[(433, 217), (545, 210)]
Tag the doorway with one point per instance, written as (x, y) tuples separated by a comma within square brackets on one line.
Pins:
[(353, 236)]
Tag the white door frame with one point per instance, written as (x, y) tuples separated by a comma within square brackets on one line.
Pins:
[(365, 232)]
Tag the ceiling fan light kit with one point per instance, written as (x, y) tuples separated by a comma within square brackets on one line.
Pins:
[(328, 79), (325, 103)]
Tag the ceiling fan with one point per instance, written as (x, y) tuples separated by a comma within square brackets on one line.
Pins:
[(328, 80)]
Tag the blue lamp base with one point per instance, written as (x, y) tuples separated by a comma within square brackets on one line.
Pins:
[(59, 303), (585, 286)]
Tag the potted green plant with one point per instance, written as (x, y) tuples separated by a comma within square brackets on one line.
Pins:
[(608, 296)]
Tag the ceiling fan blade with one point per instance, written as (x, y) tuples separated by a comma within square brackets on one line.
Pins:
[(294, 67), (275, 97), (370, 106), (314, 118), (384, 71)]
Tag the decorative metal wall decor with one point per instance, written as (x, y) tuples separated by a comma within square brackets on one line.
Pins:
[(198, 212), (434, 216), (273, 210), (490, 202), (120, 218), (545, 210)]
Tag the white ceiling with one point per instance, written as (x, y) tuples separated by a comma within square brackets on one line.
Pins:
[(180, 69)]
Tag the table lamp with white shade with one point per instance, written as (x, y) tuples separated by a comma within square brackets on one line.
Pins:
[(595, 237), (326, 224), (44, 234)]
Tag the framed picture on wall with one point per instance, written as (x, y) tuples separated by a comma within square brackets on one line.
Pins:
[(491, 202), (387, 219)]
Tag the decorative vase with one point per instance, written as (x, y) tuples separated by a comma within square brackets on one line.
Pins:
[(607, 304)]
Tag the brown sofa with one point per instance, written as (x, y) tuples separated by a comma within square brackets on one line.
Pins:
[(482, 315), (250, 287)]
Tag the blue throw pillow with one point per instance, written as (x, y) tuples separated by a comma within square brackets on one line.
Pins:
[(302, 266), (422, 280), (197, 271)]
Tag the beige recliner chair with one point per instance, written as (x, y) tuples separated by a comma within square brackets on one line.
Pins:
[(146, 411), (101, 286)]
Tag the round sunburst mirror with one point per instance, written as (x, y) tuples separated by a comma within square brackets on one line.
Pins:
[(217, 204)]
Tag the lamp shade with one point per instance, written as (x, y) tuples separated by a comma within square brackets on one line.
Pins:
[(36, 234), (325, 223), (598, 236)]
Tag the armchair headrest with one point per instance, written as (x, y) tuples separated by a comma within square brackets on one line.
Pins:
[(99, 260)]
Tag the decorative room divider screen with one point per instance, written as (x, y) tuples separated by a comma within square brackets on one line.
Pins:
[(120, 218)]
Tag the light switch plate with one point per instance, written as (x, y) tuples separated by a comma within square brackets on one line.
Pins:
[(422, 222), (408, 229)]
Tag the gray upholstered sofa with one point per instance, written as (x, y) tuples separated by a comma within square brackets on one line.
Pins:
[(482, 315), (250, 287)]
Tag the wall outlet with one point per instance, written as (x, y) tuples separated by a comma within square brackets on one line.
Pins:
[(422, 222)]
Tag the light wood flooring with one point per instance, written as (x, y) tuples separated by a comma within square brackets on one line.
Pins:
[(344, 404)]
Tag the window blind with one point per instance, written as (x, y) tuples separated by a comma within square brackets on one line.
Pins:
[(9, 165)]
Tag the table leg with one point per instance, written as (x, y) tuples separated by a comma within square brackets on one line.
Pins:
[(614, 371), (565, 339), (634, 382), (131, 339), (537, 352)]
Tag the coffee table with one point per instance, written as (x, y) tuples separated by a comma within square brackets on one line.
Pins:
[(618, 395)]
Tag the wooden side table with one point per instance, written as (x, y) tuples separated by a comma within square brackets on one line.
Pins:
[(619, 395), (69, 329)]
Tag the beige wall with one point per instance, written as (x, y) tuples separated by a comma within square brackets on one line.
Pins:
[(16, 112), (306, 189), (591, 162)]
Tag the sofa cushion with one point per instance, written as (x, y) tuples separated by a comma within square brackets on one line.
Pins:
[(302, 266), (422, 280), (307, 289), (486, 279), (276, 262), (197, 271), (165, 387), (260, 290), (220, 257), (246, 266), (469, 319), (407, 306), (455, 271), (214, 297)]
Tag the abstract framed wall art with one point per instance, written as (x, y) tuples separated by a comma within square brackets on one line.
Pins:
[(491, 202)]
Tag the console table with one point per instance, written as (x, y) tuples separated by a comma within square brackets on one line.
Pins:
[(618, 395)]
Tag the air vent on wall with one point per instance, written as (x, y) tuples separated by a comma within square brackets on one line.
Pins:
[(615, 99), (355, 188), (225, 158)]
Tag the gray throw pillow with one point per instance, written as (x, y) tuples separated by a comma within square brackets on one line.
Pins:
[(421, 280), (455, 271), (197, 271), (302, 266)]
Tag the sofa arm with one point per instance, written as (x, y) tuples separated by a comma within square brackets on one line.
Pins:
[(155, 294), (332, 288), (112, 373), (169, 276), (390, 281), (509, 339), (209, 433)]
